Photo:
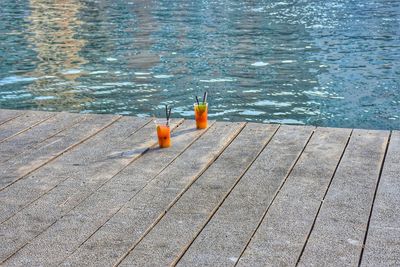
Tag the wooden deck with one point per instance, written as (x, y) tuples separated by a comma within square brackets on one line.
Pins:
[(94, 190)]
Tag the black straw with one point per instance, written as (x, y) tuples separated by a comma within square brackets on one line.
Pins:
[(167, 114), (197, 100), (205, 98)]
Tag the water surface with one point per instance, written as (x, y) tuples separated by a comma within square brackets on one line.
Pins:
[(328, 63)]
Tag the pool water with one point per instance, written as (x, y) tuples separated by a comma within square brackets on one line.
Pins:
[(326, 63)]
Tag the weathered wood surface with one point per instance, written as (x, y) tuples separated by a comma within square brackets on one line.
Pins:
[(22, 123), (382, 246), (65, 182), (225, 236), (339, 230), (91, 214), (287, 220), (39, 134), (20, 166), (180, 225), (78, 190), (7, 115), (120, 234)]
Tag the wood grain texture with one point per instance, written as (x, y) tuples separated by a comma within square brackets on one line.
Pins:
[(20, 166), (23, 123), (112, 242), (223, 238), (282, 233), (95, 190), (188, 216), (382, 247), (70, 231), (7, 115), (339, 230), (37, 135), (74, 176)]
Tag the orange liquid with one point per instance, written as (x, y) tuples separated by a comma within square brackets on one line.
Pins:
[(200, 114), (164, 136)]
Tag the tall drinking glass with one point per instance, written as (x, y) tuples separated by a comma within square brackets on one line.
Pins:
[(200, 114), (163, 133)]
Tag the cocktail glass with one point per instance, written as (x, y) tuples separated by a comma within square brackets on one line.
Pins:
[(200, 114), (163, 133)]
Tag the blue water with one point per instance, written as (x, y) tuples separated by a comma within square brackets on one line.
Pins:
[(328, 63)]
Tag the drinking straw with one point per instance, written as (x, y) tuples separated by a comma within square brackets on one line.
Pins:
[(167, 114), (205, 98), (197, 100)]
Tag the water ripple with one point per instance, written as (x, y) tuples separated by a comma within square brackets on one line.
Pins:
[(329, 63)]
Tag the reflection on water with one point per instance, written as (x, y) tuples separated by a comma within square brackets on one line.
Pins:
[(333, 63), (52, 27)]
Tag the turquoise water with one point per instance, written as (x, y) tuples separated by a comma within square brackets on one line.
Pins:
[(328, 63)]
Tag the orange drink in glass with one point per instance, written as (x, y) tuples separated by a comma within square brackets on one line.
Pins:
[(200, 114), (163, 134)]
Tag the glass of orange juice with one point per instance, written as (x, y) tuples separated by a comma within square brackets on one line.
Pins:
[(163, 133), (200, 114)]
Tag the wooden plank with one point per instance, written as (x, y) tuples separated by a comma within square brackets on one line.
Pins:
[(281, 235), (225, 235), (23, 123), (192, 211), (27, 162), (111, 242), (29, 139), (73, 177), (7, 115), (68, 233), (338, 233), (382, 247)]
